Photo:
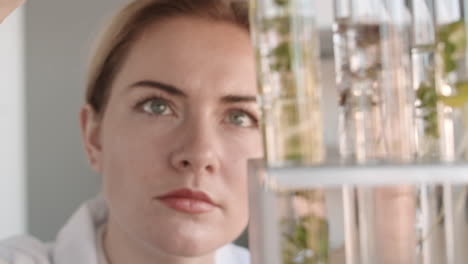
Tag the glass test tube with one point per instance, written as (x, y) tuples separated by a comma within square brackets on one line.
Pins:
[(286, 43), (423, 47), (452, 99), (376, 109)]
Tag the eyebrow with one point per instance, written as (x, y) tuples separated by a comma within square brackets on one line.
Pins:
[(178, 92), (238, 99), (161, 86)]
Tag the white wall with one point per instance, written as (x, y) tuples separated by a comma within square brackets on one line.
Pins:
[(59, 36), (12, 156)]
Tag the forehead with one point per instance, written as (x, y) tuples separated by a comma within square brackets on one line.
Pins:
[(193, 54)]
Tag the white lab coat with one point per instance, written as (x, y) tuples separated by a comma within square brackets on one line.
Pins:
[(77, 243)]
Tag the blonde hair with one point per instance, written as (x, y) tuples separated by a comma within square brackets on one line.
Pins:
[(132, 20)]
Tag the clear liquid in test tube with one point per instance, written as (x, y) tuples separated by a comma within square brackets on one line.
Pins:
[(286, 44)]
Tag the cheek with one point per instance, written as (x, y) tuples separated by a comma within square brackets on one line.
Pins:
[(238, 151), (235, 175), (134, 165), (242, 146), (237, 213), (132, 154)]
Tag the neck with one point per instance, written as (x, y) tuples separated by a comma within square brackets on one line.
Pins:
[(119, 248)]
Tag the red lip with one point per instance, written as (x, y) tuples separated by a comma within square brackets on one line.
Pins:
[(188, 201)]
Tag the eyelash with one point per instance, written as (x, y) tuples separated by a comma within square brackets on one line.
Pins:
[(139, 106), (248, 113)]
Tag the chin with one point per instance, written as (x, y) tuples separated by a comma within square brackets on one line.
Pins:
[(187, 237), (189, 246)]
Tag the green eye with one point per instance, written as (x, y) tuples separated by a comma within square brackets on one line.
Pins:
[(157, 107), (241, 119)]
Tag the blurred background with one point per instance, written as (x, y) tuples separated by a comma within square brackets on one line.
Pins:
[(44, 50)]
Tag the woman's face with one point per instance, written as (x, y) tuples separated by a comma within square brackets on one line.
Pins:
[(173, 143)]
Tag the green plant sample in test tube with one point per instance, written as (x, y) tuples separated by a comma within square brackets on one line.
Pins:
[(305, 231), (452, 48), (287, 74)]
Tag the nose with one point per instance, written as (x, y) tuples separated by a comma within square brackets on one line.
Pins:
[(197, 152)]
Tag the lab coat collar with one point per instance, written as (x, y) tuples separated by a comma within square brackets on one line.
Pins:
[(76, 242)]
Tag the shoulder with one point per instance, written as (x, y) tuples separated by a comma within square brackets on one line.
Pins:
[(232, 254), (75, 243), (24, 250)]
